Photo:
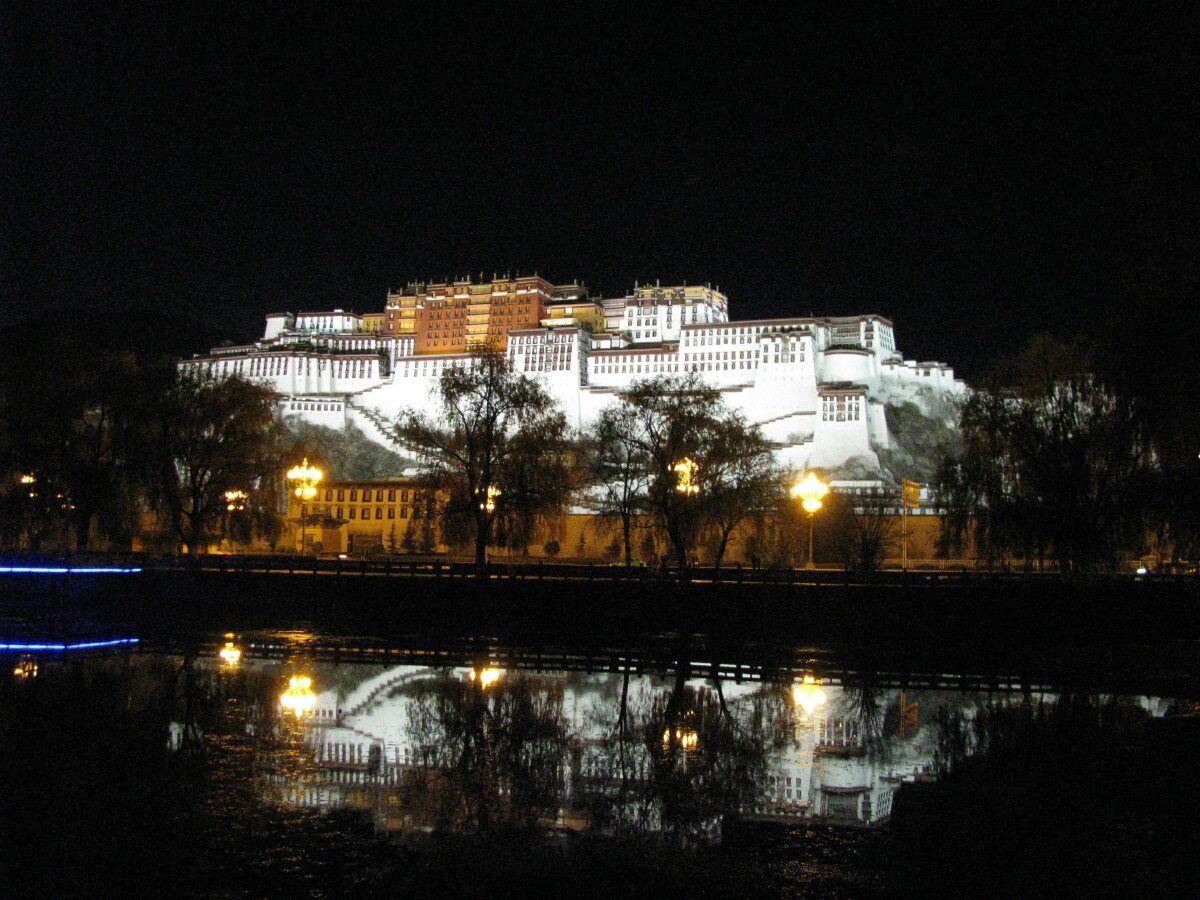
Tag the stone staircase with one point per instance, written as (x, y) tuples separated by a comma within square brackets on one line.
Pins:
[(367, 416), (786, 415), (372, 423)]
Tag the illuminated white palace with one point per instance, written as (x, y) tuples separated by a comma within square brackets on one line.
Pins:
[(818, 386)]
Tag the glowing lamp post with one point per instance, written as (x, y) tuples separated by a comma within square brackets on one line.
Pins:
[(235, 501), (811, 492), (299, 698), (488, 503), (305, 478), (685, 476)]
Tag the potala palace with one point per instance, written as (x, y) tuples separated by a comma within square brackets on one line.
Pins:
[(818, 386)]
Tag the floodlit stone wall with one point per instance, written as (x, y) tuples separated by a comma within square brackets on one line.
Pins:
[(783, 374)]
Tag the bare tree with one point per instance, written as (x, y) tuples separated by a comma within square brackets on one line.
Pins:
[(497, 447), (211, 436), (617, 469), (738, 479), (1067, 472), (864, 527), (672, 420), (81, 431)]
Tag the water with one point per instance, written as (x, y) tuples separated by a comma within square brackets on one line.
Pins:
[(467, 767)]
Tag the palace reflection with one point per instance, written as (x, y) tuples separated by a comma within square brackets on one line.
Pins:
[(283, 761), (477, 748)]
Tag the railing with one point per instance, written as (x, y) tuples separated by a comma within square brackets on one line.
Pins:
[(433, 567)]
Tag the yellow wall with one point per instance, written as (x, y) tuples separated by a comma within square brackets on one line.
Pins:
[(400, 502), (590, 313), (922, 538), (367, 520)]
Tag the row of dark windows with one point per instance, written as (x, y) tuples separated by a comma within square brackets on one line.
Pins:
[(341, 512), (366, 495)]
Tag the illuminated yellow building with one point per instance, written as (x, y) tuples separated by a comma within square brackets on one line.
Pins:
[(586, 313), (449, 317), (359, 517)]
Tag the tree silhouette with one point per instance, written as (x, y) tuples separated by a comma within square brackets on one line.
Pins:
[(210, 436), (1057, 465), (617, 468), (497, 447)]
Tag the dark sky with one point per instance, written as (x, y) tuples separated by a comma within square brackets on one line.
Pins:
[(975, 172)]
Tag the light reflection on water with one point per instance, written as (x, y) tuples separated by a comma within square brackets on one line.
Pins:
[(428, 748), (263, 768)]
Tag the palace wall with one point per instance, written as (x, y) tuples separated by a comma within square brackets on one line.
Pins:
[(816, 386)]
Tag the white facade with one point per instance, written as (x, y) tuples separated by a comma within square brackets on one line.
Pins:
[(336, 321), (657, 315), (817, 386)]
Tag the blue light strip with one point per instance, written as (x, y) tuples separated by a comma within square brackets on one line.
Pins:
[(68, 570), (82, 645)]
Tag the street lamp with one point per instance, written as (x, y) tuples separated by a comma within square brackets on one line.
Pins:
[(811, 491), (236, 500), (305, 477), (489, 501), (685, 476)]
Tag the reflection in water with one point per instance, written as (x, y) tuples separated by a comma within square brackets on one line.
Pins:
[(616, 753), (808, 696), (488, 676), (299, 699), (230, 654), (672, 761)]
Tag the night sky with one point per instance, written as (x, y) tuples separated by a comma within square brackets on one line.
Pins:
[(976, 174)]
